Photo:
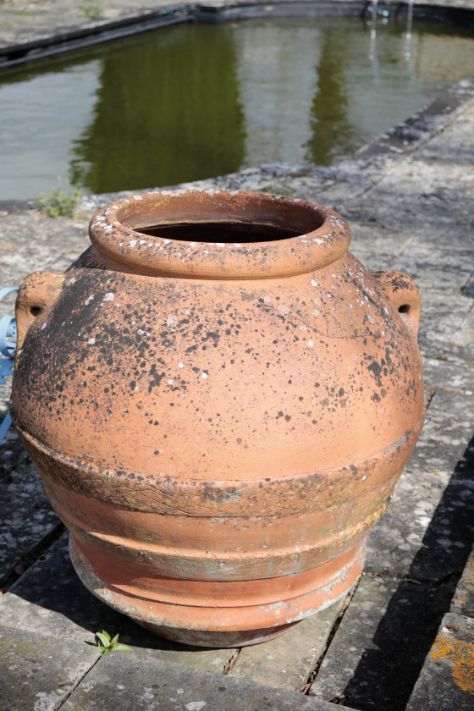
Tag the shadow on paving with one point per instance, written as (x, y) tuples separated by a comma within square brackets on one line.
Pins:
[(385, 677), (71, 609)]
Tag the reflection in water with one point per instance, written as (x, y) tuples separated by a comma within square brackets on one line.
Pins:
[(38, 126), (332, 132), (167, 111), (194, 101), (278, 69), (407, 38), (373, 55)]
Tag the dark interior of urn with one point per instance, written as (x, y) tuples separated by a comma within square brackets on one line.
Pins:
[(225, 232), (221, 218)]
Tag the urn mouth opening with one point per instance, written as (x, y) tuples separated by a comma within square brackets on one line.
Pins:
[(218, 234), (219, 231)]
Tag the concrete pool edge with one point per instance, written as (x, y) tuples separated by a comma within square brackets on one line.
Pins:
[(60, 38)]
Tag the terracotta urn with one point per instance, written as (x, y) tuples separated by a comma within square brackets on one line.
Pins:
[(219, 399)]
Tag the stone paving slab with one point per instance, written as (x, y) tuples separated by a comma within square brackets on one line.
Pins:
[(427, 530), (23, 21), (443, 268), (136, 681), (39, 672), (462, 344), (44, 245), (463, 600), (443, 196), (448, 373), (429, 538), (49, 600), (446, 434), (26, 517), (376, 654), (447, 680), (443, 317), (374, 241), (287, 661)]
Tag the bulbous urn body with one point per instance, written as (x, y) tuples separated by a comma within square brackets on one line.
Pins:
[(219, 399)]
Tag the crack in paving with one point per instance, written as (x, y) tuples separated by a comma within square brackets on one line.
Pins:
[(306, 688)]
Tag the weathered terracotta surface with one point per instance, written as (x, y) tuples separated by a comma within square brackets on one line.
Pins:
[(219, 410)]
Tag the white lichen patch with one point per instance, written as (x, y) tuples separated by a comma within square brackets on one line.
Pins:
[(310, 343), (109, 296), (91, 341), (45, 701)]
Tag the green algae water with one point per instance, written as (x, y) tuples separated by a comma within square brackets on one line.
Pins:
[(194, 101)]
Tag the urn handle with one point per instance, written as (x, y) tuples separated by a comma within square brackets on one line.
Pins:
[(36, 296), (404, 295)]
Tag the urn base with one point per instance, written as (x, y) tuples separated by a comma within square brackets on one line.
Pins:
[(220, 626)]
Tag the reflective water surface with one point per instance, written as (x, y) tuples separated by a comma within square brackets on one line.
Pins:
[(194, 101)]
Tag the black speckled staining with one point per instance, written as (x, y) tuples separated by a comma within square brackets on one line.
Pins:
[(156, 377), (159, 336), (376, 371)]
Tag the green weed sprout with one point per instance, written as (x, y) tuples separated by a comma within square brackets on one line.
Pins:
[(106, 643)]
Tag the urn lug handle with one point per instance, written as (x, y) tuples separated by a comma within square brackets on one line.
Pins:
[(403, 294), (37, 294)]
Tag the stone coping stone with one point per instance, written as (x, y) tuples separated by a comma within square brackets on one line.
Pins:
[(137, 681), (446, 682), (228, 10), (30, 31)]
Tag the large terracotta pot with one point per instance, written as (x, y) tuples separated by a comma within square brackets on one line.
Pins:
[(219, 399)]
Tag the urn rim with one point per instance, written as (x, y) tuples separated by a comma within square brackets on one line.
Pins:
[(303, 236)]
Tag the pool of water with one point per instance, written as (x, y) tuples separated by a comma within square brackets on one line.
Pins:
[(195, 101)]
